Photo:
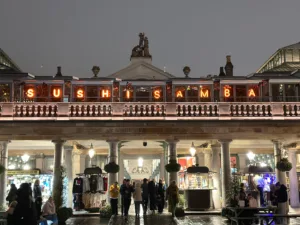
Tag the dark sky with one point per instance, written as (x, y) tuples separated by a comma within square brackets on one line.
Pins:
[(39, 35)]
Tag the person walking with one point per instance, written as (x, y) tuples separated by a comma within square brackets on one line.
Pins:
[(137, 197), (152, 195), (145, 195), (37, 195), (127, 193), (114, 192), (173, 197), (25, 211), (12, 194), (9, 214), (122, 196), (49, 210), (282, 198), (160, 196)]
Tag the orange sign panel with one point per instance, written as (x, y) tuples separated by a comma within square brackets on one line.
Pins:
[(80, 93), (128, 95), (251, 93), (179, 94), (204, 93), (105, 93), (30, 93), (227, 92), (56, 92), (156, 94)]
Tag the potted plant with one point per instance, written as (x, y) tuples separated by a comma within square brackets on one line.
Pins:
[(2, 169), (63, 214), (172, 166), (105, 212), (233, 192), (112, 167), (284, 165)]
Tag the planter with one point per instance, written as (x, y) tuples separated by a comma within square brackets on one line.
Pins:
[(105, 212), (112, 167), (284, 165), (173, 166)]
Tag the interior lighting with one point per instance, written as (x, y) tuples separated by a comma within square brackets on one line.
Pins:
[(26, 167), (192, 150), (140, 162), (91, 151), (25, 158), (12, 167), (262, 164), (251, 155)]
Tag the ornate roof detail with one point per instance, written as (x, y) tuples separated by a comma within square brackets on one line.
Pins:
[(142, 49)]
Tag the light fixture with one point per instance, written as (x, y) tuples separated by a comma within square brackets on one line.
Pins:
[(91, 151), (192, 150), (12, 167), (25, 158), (250, 155), (26, 167), (262, 164), (51, 167), (140, 162)]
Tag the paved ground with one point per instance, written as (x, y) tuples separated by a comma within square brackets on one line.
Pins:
[(156, 219)]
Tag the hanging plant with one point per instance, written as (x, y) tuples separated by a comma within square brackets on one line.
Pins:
[(173, 166), (112, 167), (284, 165), (2, 169)]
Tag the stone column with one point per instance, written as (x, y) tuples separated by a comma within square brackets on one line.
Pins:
[(172, 156), (3, 176), (226, 170), (207, 158), (121, 164), (162, 166), (69, 172), (294, 190), (216, 166), (57, 190), (280, 176), (242, 162), (113, 157), (200, 159)]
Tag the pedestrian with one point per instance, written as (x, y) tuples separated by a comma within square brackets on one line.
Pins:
[(49, 211), (114, 191), (122, 196), (173, 197), (137, 196), (12, 194), (25, 211), (145, 195), (282, 198), (152, 195), (160, 196), (9, 213), (127, 193), (37, 195)]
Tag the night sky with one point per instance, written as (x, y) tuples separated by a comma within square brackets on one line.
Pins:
[(40, 35)]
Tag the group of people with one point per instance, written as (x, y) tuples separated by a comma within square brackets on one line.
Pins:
[(146, 193), (25, 206)]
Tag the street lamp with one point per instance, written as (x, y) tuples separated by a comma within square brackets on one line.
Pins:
[(192, 150), (25, 158)]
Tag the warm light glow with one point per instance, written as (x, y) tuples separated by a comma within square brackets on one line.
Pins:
[(127, 94), (25, 158), (56, 92), (11, 167), (157, 94), (251, 155), (263, 164), (251, 93), (192, 150), (140, 162), (30, 92), (204, 93), (227, 92), (26, 167), (51, 167), (80, 93), (105, 94), (91, 151), (179, 94)]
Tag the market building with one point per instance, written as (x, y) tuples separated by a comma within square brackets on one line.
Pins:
[(141, 117)]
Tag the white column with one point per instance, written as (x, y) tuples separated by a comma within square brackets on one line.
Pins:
[(207, 158), (200, 159), (57, 181), (3, 176), (226, 171), (172, 156), (113, 157), (216, 166), (121, 164), (280, 176), (69, 172), (294, 190), (242, 162), (162, 166)]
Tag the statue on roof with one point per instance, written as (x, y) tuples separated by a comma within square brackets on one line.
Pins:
[(142, 49)]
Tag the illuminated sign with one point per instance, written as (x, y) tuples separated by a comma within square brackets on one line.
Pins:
[(227, 91), (30, 93), (251, 93), (105, 93), (156, 94), (80, 93), (179, 94), (128, 95), (204, 93), (56, 92)]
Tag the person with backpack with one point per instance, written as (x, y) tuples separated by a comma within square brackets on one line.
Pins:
[(172, 197)]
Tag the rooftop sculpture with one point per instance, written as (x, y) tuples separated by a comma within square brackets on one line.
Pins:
[(142, 49)]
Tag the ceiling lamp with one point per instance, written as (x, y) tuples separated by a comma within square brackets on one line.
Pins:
[(251, 155), (26, 167), (25, 158), (91, 151), (140, 162), (192, 150)]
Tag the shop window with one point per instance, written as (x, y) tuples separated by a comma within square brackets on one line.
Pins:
[(204, 93), (105, 93), (241, 93), (42, 93), (192, 93), (227, 93), (277, 92), (127, 94), (253, 93), (265, 95), (116, 93), (180, 93), (216, 91), (5, 93), (290, 93), (169, 96), (79, 94), (142, 94), (157, 94), (91, 94), (56, 93)]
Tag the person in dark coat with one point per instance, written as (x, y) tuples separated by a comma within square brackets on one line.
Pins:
[(145, 195), (25, 211), (152, 195), (127, 193), (12, 195), (122, 197), (37, 195), (160, 196)]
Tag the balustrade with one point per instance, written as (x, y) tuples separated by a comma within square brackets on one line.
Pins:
[(250, 109), (35, 110), (90, 109), (142, 109), (197, 109)]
